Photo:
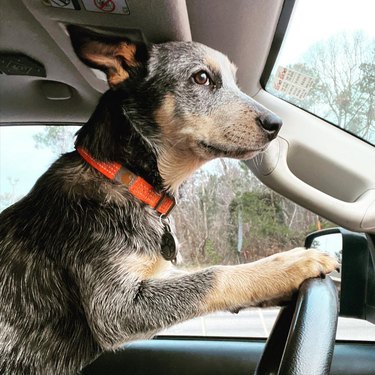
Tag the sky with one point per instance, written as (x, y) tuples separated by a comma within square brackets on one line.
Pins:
[(23, 162), (312, 20)]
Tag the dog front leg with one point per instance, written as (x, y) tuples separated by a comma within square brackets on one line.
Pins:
[(133, 307)]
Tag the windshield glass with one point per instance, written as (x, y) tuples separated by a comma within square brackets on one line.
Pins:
[(326, 64)]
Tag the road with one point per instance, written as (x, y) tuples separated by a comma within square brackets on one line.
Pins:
[(258, 322)]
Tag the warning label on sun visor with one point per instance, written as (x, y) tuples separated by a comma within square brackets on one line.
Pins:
[(292, 82), (106, 6), (67, 4)]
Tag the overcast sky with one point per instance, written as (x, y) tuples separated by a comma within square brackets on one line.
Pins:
[(314, 20), (20, 160)]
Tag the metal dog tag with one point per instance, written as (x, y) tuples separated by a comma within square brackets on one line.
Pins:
[(168, 247)]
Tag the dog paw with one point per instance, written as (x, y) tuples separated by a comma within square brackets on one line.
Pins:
[(291, 268), (307, 262)]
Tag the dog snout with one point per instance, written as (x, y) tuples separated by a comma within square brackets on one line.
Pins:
[(270, 123)]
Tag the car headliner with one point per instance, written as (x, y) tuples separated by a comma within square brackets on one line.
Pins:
[(241, 29)]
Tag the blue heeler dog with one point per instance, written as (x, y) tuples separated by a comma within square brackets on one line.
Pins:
[(85, 256)]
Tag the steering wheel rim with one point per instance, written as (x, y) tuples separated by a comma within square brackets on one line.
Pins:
[(303, 337)]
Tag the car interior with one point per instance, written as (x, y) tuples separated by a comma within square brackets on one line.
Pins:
[(312, 162)]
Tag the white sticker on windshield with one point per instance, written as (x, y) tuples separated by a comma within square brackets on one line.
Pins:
[(106, 6), (292, 82)]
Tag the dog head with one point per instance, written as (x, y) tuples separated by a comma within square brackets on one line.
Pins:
[(182, 99)]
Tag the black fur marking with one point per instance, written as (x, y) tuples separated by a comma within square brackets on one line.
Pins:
[(110, 136)]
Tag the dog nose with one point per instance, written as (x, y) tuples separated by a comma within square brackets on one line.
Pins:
[(271, 124)]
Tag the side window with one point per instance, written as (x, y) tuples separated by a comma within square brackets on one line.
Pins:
[(326, 63), (26, 152), (224, 216)]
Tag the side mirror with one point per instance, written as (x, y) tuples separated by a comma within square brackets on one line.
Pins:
[(356, 280)]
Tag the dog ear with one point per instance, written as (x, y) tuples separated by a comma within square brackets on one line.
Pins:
[(116, 56)]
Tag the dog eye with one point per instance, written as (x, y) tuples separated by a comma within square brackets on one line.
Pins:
[(202, 78)]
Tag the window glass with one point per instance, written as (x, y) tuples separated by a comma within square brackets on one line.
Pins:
[(225, 216), (26, 152), (326, 64)]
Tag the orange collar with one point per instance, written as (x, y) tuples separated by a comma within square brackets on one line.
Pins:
[(141, 189)]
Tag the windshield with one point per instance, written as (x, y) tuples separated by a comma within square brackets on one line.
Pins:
[(326, 64)]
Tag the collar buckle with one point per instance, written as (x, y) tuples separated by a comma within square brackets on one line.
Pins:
[(165, 204)]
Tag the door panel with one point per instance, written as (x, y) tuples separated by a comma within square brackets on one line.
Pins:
[(187, 356)]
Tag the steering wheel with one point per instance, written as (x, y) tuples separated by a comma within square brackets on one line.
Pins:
[(303, 337)]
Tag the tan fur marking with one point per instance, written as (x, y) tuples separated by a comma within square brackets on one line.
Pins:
[(165, 114), (175, 168), (212, 63), (110, 57), (176, 161), (127, 51), (118, 77), (144, 267)]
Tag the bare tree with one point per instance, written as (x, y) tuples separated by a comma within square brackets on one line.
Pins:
[(208, 217), (344, 92), (58, 138)]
